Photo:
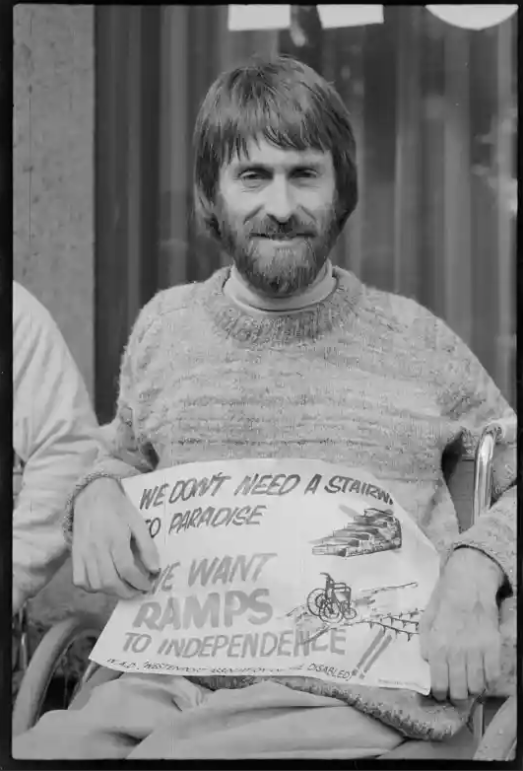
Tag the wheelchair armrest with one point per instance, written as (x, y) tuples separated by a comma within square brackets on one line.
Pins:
[(460, 482), (470, 481), (499, 740), (470, 485)]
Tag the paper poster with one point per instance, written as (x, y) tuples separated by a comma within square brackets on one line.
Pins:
[(273, 567)]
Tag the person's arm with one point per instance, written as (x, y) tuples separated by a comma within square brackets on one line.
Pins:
[(111, 547), (467, 648), (54, 433), (473, 400)]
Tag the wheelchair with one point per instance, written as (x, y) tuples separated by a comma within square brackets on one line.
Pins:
[(493, 721), (62, 650)]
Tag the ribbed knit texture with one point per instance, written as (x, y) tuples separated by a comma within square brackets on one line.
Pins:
[(364, 378)]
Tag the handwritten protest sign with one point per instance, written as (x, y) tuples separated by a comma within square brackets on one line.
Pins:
[(276, 567)]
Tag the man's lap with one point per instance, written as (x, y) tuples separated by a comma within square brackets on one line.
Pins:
[(157, 716)]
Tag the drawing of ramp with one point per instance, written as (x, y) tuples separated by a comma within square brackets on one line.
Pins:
[(375, 531)]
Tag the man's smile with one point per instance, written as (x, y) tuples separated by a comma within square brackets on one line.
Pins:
[(282, 239)]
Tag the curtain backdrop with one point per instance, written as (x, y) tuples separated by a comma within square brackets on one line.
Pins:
[(434, 111)]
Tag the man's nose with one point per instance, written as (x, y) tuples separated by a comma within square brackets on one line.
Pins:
[(280, 202)]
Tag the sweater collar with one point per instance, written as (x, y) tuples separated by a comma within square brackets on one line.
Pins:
[(260, 330)]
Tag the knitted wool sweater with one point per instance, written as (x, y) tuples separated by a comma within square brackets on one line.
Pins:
[(364, 378)]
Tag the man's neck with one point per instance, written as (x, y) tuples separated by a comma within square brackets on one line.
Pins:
[(238, 290)]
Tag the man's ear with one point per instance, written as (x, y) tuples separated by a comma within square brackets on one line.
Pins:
[(204, 215)]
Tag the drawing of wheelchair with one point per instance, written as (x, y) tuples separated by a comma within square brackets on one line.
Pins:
[(333, 602)]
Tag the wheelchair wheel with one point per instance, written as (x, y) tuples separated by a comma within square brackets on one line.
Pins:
[(77, 631), (314, 601), (329, 612)]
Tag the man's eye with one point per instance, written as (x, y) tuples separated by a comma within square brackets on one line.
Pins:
[(305, 173), (252, 176)]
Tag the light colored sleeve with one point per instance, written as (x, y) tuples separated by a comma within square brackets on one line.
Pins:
[(472, 399), (55, 434), (468, 395)]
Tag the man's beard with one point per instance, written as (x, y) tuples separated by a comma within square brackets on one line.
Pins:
[(278, 269)]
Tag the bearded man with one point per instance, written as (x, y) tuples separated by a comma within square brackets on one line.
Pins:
[(284, 355)]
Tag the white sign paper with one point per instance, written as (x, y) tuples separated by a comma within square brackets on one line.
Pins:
[(276, 567)]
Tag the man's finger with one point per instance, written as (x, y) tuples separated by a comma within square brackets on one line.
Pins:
[(146, 547), (426, 621), (79, 572), (424, 642), (126, 567), (439, 676), (492, 664), (93, 575), (110, 581), (475, 673), (457, 669)]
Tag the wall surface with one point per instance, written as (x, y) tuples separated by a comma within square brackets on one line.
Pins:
[(53, 137)]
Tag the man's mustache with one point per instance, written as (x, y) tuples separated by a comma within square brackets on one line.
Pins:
[(281, 232)]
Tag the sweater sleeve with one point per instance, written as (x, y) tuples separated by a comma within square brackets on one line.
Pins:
[(55, 434), (124, 453), (471, 398)]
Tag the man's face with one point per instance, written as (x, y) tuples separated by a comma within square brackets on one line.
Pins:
[(276, 211)]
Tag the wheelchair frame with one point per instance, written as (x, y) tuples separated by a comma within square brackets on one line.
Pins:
[(492, 740)]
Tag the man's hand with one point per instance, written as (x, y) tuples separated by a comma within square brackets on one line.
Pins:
[(112, 549), (459, 631)]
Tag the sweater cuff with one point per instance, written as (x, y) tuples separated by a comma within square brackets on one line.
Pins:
[(496, 550), (117, 474)]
